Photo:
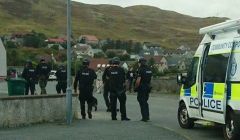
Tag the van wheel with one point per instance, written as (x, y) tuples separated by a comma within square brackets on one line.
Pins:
[(230, 129), (183, 118)]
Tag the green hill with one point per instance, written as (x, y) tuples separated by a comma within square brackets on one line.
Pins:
[(140, 23)]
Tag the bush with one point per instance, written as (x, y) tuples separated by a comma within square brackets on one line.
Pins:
[(10, 44)]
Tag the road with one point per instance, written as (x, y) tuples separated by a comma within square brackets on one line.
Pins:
[(163, 124)]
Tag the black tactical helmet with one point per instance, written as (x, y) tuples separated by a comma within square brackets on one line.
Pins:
[(42, 60), (116, 60), (110, 61), (85, 62), (62, 66), (29, 62), (142, 61)]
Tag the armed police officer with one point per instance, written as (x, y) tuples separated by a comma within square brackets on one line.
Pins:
[(30, 76), (117, 89), (43, 71), (106, 86), (85, 78), (61, 75), (143, 88)]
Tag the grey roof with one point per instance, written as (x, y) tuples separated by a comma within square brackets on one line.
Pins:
[(97, 51), (173, 60)]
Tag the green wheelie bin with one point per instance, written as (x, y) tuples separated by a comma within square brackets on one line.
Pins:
[(16, 86)]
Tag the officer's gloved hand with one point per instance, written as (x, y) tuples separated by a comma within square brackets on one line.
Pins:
[(135, 89)]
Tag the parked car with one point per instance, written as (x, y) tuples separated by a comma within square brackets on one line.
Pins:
[(52, 75)]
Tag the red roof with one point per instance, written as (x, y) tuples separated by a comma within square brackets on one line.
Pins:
[(56, 40), (90, 37), (95, 63)]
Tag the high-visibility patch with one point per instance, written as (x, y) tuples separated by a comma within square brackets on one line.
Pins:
[(218, 91), (235, 91), (194, 91), (182, 91)]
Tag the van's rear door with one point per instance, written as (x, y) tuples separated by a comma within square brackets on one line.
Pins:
[(214, 72), (233, 79)]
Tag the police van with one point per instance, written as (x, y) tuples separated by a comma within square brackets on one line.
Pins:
[(211, 89)]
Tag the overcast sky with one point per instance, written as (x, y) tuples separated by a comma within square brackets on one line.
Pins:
[(197, 8)]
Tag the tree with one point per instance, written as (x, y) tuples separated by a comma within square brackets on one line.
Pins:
[(55, 47), (35, 40), (111, 54), (137, 47), (99, 55), (151, 62), (129, 46), (83, 40), (10, 44), (13, 58), (153, 67), (118, 44), (124, 57)]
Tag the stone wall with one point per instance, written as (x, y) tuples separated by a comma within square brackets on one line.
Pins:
[(166, 85), (25, 110)]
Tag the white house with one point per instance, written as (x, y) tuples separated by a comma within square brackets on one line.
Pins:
[(3, 61), (83, 50), (160, 62)]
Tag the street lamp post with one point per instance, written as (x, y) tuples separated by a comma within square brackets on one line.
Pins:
[(69, 60)]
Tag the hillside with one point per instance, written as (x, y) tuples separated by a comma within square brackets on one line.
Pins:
[(140, 23)]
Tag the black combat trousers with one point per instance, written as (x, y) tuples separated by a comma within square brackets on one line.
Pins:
[(142, 97), (61, 86), (106, 96), (130, 83), (122, 100), (85, 95), (30, 85)]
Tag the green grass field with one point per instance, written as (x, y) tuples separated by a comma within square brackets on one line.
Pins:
[(139, 23)]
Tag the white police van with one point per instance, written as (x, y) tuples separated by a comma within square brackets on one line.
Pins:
[(211, 89)]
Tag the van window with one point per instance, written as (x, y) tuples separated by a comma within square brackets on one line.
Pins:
[(192, 73), (215, 68)]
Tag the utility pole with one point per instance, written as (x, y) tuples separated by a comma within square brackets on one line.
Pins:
[(69, 60)]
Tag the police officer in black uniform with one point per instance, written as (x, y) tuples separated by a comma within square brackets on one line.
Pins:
[(30, 76), (61, 75), (106, 86), (143, 88), (117, 86), (85, 78), (43, 71)]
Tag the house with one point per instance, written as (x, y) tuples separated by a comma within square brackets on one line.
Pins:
[(159, 61), (96, 51), (168, 53), (134, 57), (88, 39), (83, 50), (153, 51), (96, 63), (3, 61), (183, 48), (177, 63), (18, 38), (56, 42)]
